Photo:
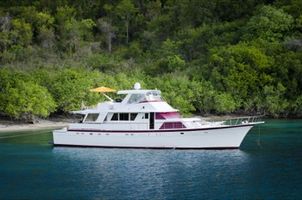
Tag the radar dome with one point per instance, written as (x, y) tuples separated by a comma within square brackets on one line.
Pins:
[(137, 86)]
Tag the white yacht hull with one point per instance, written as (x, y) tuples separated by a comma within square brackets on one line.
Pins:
[(204, 138)]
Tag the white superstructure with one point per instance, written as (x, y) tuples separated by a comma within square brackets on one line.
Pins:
[(144, 120)]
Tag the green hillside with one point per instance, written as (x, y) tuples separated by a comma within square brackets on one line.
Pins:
[(207, 57)]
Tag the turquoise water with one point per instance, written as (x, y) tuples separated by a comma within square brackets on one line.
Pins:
[(268, 166)]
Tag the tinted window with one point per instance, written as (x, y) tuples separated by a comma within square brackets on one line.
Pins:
[(146, 115), (135, 98), (124, 116), (114, 117), (91, 117), (133, 116)]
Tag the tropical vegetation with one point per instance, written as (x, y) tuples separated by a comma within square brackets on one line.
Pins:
[(207, 57)]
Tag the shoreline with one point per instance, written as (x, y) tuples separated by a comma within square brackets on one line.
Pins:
[(11, 126)]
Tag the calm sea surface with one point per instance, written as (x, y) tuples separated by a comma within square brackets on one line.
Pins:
[(268, 166)]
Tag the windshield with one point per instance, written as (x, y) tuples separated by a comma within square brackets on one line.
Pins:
[(153, 96), (136, 98)]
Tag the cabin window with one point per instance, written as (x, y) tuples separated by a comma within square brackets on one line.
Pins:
[(146, 115), (114, 117), (133, 116), (153, 96), (124, 116), (92, 117)]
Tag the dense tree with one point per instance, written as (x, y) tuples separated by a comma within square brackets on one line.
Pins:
[(176, 90), (239, 69), (5, 27), (219, 56), (204, 96), (273, 101), (70, 88), (125, 10), (269, 23), (22, 98), (106, 27), (21, 33)]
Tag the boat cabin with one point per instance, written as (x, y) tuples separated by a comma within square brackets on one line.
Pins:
[(138, 110)]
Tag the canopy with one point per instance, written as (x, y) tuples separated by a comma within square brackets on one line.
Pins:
[(102, 89)]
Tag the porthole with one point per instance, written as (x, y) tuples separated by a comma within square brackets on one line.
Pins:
[(181, 133)]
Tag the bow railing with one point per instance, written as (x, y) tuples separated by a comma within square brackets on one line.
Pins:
[(238, 120), (242, 120)]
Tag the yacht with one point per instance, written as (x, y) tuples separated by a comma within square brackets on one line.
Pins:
[(142, 119)]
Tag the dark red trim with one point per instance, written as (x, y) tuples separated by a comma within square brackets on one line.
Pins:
[(160, 130), (134, 147), (170, 125)]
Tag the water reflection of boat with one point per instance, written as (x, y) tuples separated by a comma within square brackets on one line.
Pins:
[(142, 119)]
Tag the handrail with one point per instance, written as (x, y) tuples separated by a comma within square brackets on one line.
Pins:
[(240, 120)]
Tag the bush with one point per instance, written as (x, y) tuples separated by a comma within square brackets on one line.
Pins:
[(70, 88), (224, 103), (21, 98)]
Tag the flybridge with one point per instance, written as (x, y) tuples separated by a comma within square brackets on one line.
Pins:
[(141, 96), (136, 100), (133, 96)]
